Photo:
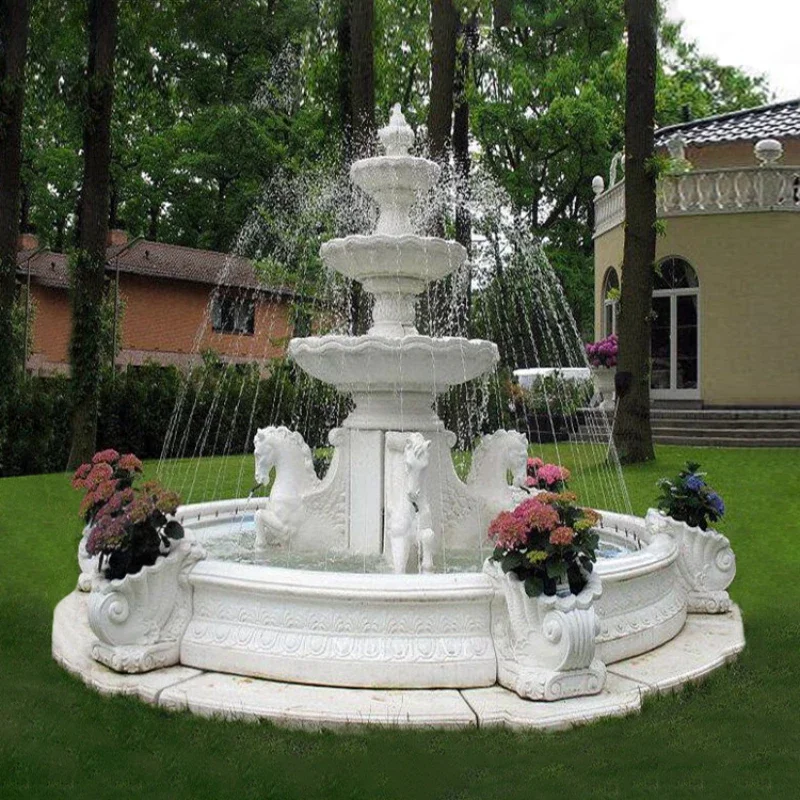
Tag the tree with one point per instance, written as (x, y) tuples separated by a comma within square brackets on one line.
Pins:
[(89, 261), (362, 75), (14, 23), (632, 431), (444, 36)]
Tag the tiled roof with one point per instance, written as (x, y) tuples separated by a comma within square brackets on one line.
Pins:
[(775, 121), (157, 260), (47, 269)]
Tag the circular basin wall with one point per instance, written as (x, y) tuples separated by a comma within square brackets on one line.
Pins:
[(397, 631)]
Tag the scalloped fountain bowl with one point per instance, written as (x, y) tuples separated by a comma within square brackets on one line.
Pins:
[(393, 263), (421, 363)]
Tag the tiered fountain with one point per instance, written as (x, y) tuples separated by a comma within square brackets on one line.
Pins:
[(392, 503)]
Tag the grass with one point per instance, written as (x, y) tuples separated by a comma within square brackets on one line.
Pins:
[(737, 735)]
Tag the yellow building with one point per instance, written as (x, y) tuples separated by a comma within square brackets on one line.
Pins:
[(726, 305)]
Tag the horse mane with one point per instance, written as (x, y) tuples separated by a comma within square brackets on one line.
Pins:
[(484, 450), (282, 434)]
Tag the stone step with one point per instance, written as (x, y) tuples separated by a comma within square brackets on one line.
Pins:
[(714, 441), (711, 415), (722, 424), (724, 438), (727, 432), (726, 414)]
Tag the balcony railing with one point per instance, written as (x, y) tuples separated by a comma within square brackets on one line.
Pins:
[(713, 191)]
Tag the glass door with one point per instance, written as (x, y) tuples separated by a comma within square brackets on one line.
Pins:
[(675, 345)]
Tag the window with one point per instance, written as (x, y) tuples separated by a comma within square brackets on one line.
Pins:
[(232, 315), (675, 331), (610, 302)]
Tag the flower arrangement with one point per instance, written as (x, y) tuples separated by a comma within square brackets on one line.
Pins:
[(547, 541), (129, 525), (690, 499), (548, 477), (603, 353)]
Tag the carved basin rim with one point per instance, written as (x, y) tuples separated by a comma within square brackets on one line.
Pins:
[(656, 554)]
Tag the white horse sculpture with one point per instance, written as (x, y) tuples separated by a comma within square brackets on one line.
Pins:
[(284, 516), (408, 512), (496, 455)]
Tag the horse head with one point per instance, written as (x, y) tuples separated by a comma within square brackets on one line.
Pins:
[(277, 446)]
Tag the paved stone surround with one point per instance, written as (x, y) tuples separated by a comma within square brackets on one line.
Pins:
[(706, 643)]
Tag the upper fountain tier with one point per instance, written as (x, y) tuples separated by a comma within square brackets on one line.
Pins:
[(393, 373), (394, 264)]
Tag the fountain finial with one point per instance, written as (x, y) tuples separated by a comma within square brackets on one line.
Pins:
[(397, 137)]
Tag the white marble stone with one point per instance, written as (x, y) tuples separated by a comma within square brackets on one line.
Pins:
[(296, 705), (705, 643), (496, 706), (71, 647)]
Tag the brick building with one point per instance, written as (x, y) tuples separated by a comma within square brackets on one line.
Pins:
[(170, 303)]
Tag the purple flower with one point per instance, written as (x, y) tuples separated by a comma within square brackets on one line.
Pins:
[(694, 483), (715, 501)]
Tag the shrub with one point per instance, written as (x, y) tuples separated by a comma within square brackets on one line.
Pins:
[(130, 525), (690, 499), (603, 353), (547, 541)]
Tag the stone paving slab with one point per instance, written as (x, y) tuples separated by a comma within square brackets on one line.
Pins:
[(72, 642), (496, 706), (706, 643), (297, 705)]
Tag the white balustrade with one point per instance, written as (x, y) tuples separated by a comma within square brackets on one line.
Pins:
[(713, 191)]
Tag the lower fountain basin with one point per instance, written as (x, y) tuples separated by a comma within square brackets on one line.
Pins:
[(398, 631), (412, 363)]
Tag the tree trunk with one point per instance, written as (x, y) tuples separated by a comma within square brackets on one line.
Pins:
[(14, 24), (461, 159), (632, 431), (444, 36), (362, 77), (90, 260), (345, 101), (501, 11)]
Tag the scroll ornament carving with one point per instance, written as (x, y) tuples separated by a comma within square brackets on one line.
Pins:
[(139, 619), (706, 563), (545, 645), (88, 564)]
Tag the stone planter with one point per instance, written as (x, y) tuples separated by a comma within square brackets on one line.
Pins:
[(706, 563), (139, 620), (545, 645), (88, 564), (603, 379)]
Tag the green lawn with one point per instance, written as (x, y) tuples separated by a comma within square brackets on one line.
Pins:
[(736, 735)]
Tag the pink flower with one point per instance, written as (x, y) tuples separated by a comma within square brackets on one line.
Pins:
[(129, 463), (507, 531), (100, 472), (535, 463), (105, 456), (536, 515), (550, 474), (562, 536)]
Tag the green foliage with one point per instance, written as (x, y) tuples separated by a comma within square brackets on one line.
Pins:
[(138, 403), (689, 498)]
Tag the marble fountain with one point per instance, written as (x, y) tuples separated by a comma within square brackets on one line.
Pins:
[(364, 597)]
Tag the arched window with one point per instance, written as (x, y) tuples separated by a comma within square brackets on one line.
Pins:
[(674, 273), (675, 331), (610, 301)]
